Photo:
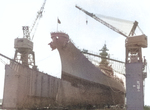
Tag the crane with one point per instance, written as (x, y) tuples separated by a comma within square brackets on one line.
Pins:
[(24, 53), (134, 64), (109, 25)]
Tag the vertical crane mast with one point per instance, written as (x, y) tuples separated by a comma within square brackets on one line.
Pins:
[(134, 64), (24, 53)]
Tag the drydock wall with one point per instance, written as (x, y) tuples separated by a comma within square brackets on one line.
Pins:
[(28, 88)]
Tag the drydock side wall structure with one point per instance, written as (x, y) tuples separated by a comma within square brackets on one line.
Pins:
[(28, 88)]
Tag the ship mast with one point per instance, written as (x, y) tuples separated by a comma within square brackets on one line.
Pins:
[(104, 54), (104, 64)]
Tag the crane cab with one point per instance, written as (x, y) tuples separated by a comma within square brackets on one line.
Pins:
[(136, 41), (21, 43)]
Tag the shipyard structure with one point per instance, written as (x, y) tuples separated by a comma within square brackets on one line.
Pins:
[(82, 84)]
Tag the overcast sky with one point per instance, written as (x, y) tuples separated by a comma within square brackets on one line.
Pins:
[(91, 35)]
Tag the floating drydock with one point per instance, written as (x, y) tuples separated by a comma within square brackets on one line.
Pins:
[(82, 84)]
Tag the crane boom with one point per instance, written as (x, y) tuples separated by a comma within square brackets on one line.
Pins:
[(39, 15), (101, 21)]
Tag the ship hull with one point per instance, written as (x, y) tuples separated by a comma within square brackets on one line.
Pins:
[(78, 70)]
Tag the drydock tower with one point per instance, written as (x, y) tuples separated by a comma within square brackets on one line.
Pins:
[(135, 73)]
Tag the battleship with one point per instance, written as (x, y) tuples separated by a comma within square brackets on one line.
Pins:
[(101, 87)]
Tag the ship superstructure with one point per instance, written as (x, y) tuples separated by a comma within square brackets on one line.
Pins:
[(104, 64)]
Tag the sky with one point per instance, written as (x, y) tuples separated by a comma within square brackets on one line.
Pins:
[(91, 36)]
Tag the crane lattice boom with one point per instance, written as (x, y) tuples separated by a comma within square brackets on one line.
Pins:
[(101, 21), (39, 15)]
